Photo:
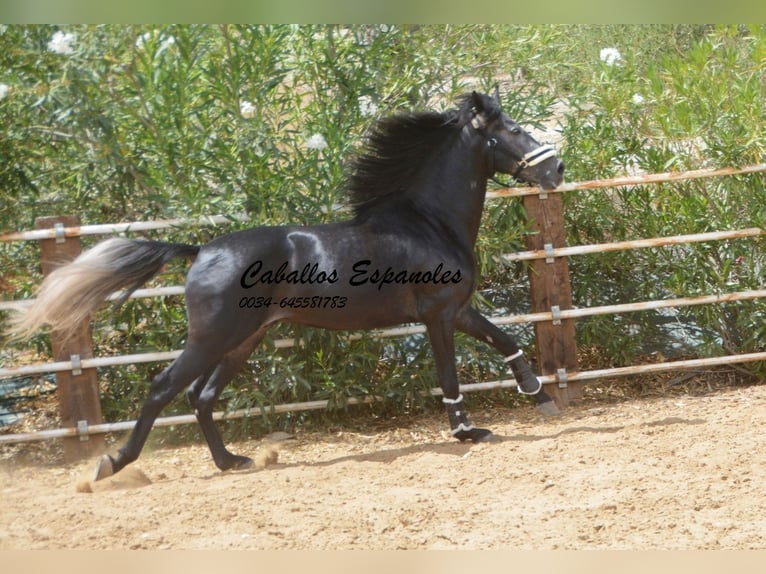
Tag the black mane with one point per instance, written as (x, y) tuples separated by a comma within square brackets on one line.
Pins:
[(396, 150)]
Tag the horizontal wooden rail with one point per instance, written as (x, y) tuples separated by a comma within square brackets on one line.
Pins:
[(631, 307), (630, 180), (112, 228), (633, 244), (137, 294), (315, 405), (401, 331)]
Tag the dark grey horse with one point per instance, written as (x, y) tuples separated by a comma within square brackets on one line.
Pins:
[(407, 255)]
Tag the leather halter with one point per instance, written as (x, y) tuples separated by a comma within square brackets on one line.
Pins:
[(529, 159)]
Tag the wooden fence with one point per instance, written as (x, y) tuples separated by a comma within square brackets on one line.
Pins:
[(552, 312)]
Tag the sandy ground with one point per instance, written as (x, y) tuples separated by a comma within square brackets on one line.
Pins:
[(679, 472)]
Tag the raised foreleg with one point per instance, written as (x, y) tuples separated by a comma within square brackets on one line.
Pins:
[(473, 323)]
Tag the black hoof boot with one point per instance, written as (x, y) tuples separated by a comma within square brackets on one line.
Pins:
[(474, 435), (462, 429)]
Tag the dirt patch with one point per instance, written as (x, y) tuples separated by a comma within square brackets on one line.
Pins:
[(678, 472)]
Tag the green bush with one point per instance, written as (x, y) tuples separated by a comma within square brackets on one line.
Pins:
[(123, 123), (693, 107)]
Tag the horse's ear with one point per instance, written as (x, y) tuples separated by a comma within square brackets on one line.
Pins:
[(496, 94), (478, 103), (478, 115)]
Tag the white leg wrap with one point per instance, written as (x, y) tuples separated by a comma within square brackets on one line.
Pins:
[(516, 355), (447, 401), (462, 427), (539, 388)]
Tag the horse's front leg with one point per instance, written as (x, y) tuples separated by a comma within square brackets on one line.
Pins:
[(442, 335), (473, 323)]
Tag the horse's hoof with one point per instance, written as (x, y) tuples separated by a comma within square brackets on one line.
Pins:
[(104, 468), (475, 435), (238, 463), (548, 409), (243, 463)]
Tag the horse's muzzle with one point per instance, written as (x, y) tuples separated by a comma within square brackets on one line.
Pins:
[(553, 178)]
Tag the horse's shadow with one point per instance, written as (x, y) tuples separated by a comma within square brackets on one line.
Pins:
[(448, 448), (457, 449)]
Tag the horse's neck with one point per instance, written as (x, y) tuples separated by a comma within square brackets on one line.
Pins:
[(458, 200)]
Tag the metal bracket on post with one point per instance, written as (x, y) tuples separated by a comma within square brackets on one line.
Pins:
[(561, 378), (549, 256), (543, 194), (76, 365), (556, 312), (59, 232), (82, 430)]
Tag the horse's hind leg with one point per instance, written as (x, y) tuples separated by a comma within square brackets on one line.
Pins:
[(205, 392), (473, 323), (192, 363)]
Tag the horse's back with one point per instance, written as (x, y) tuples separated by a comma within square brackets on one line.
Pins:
[(345, 275)]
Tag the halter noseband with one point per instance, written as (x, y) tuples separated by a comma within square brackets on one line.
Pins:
[(529, 159)]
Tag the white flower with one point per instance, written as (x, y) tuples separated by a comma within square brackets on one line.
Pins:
[(147, 37), (637, 99), (167, 42), (4, 89), (247, 109), (316, 141), (367, 107), (61, 43), (143, 39), (610, 56)]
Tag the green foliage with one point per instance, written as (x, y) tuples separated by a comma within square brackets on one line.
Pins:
[(700, 105), (127, 123)]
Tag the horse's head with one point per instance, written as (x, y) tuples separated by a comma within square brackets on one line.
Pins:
[(510, 148)]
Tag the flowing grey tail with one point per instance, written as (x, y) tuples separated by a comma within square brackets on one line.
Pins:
[(72, 292)]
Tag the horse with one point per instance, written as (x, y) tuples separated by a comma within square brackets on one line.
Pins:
[(406, 255)]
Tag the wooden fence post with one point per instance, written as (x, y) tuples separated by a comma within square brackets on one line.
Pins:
[(77, 390), (551, 291)]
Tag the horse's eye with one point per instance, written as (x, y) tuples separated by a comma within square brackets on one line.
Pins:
[(515, 130)]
